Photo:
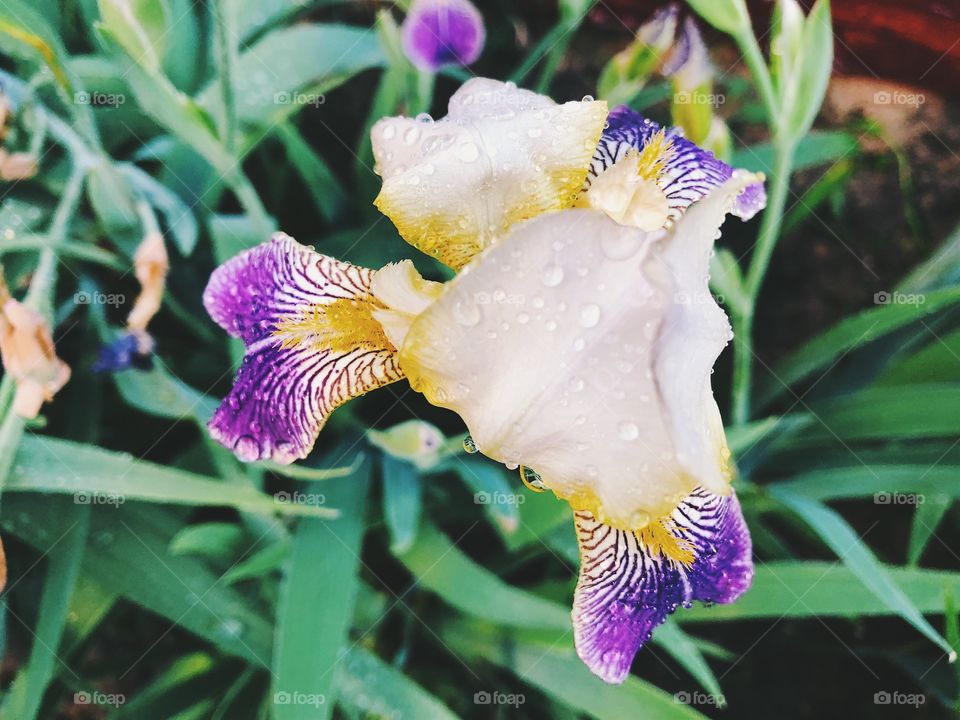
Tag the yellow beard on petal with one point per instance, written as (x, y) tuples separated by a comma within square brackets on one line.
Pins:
[(628, 191), (661, 538), (341, 326)]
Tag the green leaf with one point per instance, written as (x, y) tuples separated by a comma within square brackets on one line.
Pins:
[(140, 26), (316, 604), (261, 563), (859, 480), (189, 682), (159, 393), (324, 187), (178, 216), (729, 16), (936, 362), (816, 148), (370, 686), (490, 490), (24, 33), (114, 203), (912, 411), (854, 553), (132, 558), (926, 518), (823, 589), (291, 68), (851, 333), (173, 110), (552, 665), (438, 565), (401, 502), (813, 70), (65, 555), (217, 540), (101, 477), (684, 650)]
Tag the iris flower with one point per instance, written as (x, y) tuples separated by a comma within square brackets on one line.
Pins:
[(437, 33), (576, 341)]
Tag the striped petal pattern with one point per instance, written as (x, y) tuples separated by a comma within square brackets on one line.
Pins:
[(630, 582), (312, 344), (690, 172)]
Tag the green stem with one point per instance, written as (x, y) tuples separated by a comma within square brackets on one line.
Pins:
[(742, 321), (227, 56), (753, 56)]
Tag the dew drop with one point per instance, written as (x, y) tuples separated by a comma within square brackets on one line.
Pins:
[(469, 446), (552, 275), (628, 431), (466, 313), (589, 315), (468, 152)]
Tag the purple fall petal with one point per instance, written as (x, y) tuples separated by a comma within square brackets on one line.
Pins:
[(443, 32), (690, 173), (283, 395), (625, 591)]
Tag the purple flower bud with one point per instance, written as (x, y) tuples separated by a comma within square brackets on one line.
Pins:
[(443, 32)]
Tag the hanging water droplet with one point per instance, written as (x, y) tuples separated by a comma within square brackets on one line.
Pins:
[(469, 446), (531, 478)]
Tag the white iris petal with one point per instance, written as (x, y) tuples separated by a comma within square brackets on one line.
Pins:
[(582, 349)]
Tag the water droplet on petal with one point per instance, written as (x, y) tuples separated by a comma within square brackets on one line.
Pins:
[(552, 275), (589, 315), (628, 431), (469, 446)]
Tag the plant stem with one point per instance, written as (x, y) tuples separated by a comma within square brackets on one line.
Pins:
[(753, 56), (759, 262)]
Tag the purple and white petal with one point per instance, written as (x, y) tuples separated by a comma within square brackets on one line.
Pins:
[(626, 588), (284, 391), (690, 173), (437, 33)]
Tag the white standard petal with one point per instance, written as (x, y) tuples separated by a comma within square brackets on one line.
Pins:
[(501, 155)]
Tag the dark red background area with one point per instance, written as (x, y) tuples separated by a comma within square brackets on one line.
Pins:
[(917, 42)]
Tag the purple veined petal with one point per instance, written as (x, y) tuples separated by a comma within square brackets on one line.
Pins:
[(443, 32), (626, 590), (690, 173), (283, 392)]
